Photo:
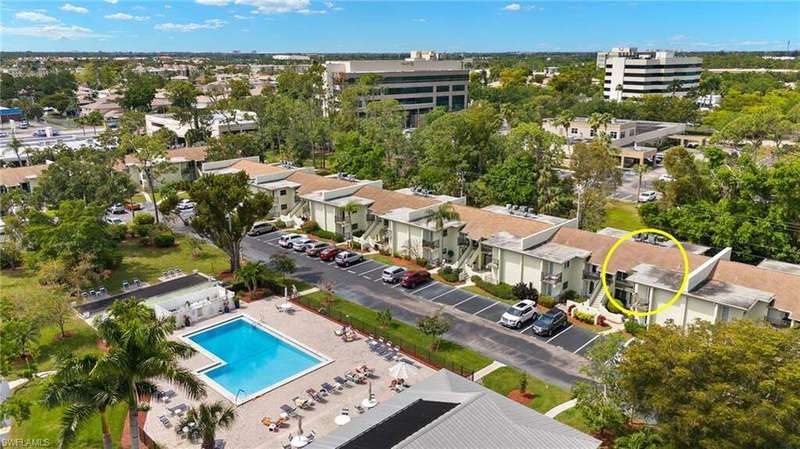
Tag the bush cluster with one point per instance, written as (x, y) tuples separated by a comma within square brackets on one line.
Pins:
[(634, 328), (547, 301), (449, 274), (501, 290), (327, 235), (586, 317), (310, 226)]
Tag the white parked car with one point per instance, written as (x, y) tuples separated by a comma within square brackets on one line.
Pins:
[(116, 208), (393, 274), (300, 245), (519, 313), (646, 197), (184, 205), (114, 221), (666, 178), (287, 240)]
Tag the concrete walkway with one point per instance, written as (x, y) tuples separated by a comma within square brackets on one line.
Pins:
[(481, 373), (558, 409)]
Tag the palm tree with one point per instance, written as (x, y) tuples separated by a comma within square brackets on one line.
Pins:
[(84, 394), (207, 418), (675, 85), (598, 119), (440, 216), (640, 170), (16, 145), (349, 209), (564, 120), (140, 353), (250, 273)]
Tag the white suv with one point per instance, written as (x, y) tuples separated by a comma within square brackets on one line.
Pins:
[(287, 240), (519, 313)]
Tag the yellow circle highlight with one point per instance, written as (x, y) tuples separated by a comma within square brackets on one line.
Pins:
[(681, 289)]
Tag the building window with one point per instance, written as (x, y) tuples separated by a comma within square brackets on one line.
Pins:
[(284, 206), (591, 133), (573, 131), (613, 134), (283, 192), (442, 88), (622, 134), (458, 88), (565, 287), (458, 102), (443, 101), (725, 313), (566, 264)]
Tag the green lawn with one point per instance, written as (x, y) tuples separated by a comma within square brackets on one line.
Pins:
[(623, 216), (148, 263), (574, 419), (545, 396), (402, 334), (44, 423)]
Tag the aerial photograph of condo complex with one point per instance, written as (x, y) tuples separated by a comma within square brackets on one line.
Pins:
[(394, 224)]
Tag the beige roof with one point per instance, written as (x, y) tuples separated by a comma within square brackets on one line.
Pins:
[(786, 287), (253, 168), (188, 153), (386, 200), (310, 182), (14, 176), (481, 223), (628, 255)]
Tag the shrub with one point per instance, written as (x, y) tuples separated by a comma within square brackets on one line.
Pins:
[(327, 235), (547, 301), (586, 317), (164, 239), (117, 232), (10, 255), (569, 295), (613, 308), (144, 218), (449, 274), (355, 245), (634, 328), (280, 224), (501, 290), (310, 226), (421, 261), (475, 278), (525, 291), (142, 230)]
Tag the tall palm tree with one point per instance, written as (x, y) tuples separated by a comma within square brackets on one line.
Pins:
[(441, 215), (600, 119), (675, 85), (84, 394), (564, 120), (141, 353), (349, 209), (207, 418), (250, 273)]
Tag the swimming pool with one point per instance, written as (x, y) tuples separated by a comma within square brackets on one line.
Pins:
[(251, 359)]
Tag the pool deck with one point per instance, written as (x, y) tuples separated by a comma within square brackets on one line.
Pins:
[(311, 330)]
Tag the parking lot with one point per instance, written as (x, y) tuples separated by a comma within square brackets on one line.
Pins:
[(573, 338)]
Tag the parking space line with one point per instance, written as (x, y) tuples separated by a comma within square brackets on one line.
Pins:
[(586, 344), (556, 335), (351, 271), (370, 271), (423, 288), (439, 296), (272, 240), (462, 302), (486, 308), (526, 329), (395, 285)]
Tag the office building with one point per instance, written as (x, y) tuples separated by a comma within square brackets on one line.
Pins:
[(419, 83), (630, 73)]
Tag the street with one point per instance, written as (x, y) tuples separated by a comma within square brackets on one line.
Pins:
[(555, 359)]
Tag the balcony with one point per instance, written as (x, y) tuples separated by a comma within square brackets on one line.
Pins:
[(588, 275), (551, 278), (432, 244)]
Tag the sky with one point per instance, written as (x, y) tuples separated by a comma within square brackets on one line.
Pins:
[(393, 26)]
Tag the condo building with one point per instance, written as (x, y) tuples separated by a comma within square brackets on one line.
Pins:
[(419, 83), (630, 73)]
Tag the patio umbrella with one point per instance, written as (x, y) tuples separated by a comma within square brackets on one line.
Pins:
[(370, 389), (300, 425), (400, 371)]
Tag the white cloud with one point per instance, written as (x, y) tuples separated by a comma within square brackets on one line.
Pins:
[(32, 16), (72, 8), (420, 20), (679, 37), (311, 12), (512, 7), (328, 4), (123, 16), (167, 6), (241, 17), (55, 32), (268, 6), (210, 24), (113, 2)]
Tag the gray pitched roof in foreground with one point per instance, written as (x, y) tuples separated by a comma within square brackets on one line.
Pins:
[(150, 291), (482, 419)]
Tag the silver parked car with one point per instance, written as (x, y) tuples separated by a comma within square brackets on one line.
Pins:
[(393, 274)]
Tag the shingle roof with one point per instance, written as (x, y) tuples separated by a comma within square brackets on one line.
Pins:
[(786, 287), (188, 153), (253, 168), (481, 224), (310, 182), (14, 176), (386, 200), (628, 254), (482, 419)]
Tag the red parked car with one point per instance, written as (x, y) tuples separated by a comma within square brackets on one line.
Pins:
[(329, 254), (414, 278)]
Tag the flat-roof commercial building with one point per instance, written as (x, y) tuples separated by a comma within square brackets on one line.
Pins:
[(221, 122), (419, 83), (446, 411), (630, 73)]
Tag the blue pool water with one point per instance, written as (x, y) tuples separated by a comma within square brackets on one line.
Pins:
[(253, 359)]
